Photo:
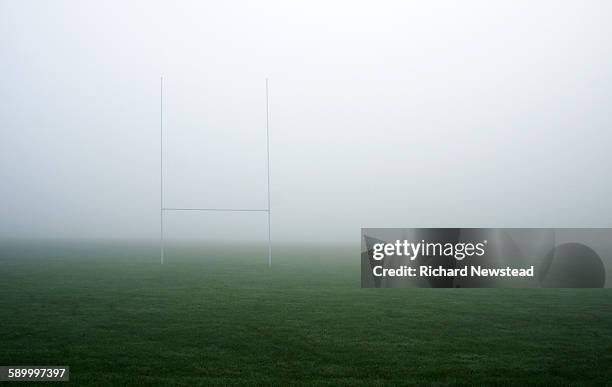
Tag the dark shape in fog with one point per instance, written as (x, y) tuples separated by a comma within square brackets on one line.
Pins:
[(572, 265), (369, 256)]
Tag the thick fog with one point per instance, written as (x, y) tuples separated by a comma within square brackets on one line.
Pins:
[(382, 114)]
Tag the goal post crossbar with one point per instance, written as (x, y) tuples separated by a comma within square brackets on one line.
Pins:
[(218, 209)]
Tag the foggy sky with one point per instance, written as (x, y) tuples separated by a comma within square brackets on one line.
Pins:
[(382, 114)]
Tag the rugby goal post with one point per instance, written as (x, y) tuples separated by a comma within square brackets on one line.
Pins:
[(163, 209)]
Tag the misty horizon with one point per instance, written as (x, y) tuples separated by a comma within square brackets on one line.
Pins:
[(400, 115)]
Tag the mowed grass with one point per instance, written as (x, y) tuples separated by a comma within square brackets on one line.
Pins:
[(117, 317)]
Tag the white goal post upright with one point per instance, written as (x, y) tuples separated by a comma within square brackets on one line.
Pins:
[(161, 169), (268, 168), (163, 209)]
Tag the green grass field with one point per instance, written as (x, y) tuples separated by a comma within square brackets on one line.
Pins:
[(117, 317)]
